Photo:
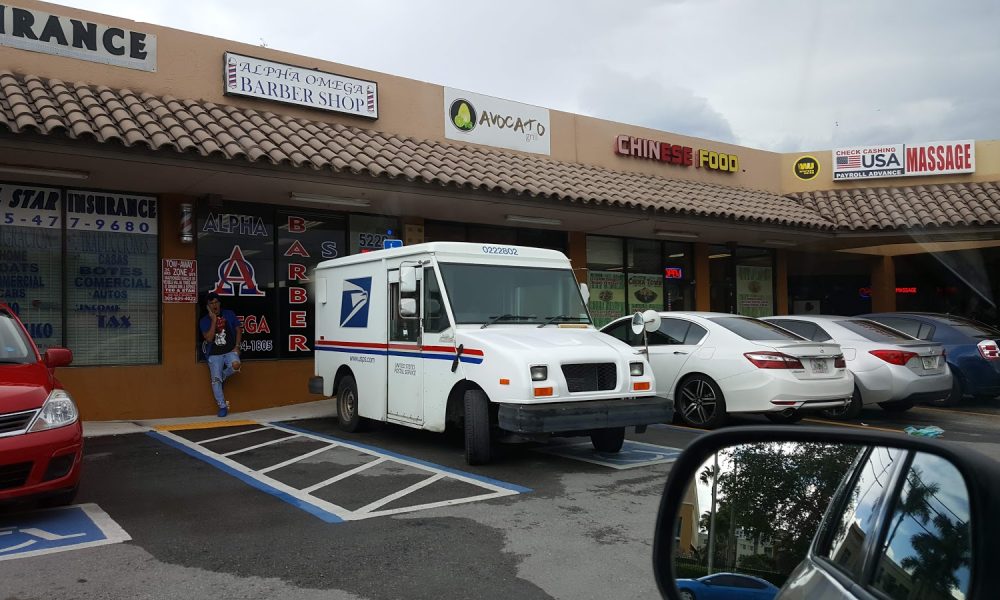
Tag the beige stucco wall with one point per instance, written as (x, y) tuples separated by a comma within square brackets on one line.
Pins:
[(190, 66)]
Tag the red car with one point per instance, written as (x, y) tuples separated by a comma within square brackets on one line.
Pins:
[(41, 437)]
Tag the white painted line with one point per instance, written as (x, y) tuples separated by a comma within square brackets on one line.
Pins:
[(232, 435), (429, 505), (344, 475), (403, 492), (292, 461), (254, 447)]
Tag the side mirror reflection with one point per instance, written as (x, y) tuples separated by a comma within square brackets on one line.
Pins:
[(794, 519)]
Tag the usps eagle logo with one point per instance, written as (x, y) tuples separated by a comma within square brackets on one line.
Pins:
[(354, 302)]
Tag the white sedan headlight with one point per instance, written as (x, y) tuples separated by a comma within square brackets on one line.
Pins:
[(58, 411)]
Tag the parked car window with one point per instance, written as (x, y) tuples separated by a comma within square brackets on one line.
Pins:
[(807, 329), (926, 331), (972, 328), (858, 513), (672, 332), (739, 582), (623, 331), (695, 334), (928, 546), (876, 332), (755, 330), (907, 326), (14, 346)]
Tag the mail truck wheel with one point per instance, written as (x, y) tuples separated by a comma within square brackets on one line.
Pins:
[(477, 427), (608, 440), (347, 405)]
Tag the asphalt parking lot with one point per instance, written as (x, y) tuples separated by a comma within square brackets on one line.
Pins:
[(302, 510)]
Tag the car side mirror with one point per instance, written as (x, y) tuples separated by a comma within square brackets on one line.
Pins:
[(408, 308), (585, 292), (58, 357), (793, 507)]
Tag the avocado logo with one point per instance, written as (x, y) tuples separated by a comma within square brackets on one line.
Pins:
[(806, 168), (463, 115)]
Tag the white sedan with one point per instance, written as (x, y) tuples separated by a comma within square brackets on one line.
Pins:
[(713, 364), (891, 368)]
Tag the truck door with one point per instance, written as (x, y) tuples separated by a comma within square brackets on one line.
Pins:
[(405, 367)]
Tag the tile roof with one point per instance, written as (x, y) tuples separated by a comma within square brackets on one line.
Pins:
[(920, 206), (48, 106)]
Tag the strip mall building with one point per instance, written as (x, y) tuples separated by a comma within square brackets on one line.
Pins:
[(141, 166)]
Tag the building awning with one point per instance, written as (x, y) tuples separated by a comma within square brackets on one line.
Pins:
[(31, 104), (901, 208)]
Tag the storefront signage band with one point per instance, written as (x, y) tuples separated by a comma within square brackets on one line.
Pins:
[(480, 119), (675, 154), (904, 160), (39, 31), (278, 82)]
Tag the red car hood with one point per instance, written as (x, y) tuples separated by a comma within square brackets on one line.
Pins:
[(23, 387)]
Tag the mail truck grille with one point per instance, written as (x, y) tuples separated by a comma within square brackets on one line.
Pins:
[(11, 423), (592, 377)]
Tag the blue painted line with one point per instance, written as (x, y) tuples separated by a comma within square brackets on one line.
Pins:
[(326, 516), (465, 359), (503, 484)]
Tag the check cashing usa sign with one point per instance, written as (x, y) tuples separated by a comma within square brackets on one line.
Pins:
[(904, 160)]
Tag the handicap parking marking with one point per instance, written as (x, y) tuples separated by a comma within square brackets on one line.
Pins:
[(434, 485), (57, 530), (631, 456)]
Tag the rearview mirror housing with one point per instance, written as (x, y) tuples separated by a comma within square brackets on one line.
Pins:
[(407, 279), (58, 357)]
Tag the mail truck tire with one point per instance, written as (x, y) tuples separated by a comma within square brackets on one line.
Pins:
[(347, 405), (851, 411), (477, 427), (608, 440)]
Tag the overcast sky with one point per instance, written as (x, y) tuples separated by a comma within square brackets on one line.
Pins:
[(777, 75)]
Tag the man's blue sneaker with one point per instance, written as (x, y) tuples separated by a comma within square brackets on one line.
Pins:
[(223, 411)]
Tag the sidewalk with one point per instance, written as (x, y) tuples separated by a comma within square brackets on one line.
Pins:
[(306, 410)]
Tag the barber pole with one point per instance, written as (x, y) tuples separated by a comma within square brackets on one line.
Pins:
[(371, 99), (187, 224)]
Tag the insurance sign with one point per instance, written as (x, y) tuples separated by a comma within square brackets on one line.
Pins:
[(904, 160)]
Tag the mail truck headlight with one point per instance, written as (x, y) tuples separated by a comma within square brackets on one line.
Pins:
[(58, 411), (636, 369), (539, 373)]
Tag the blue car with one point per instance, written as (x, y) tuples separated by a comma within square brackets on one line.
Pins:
[(971, 347), (726, 586)]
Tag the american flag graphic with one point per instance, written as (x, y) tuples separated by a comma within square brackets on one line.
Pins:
[(848, 162)]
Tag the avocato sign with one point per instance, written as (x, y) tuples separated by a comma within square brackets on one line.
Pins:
[(480, 119)]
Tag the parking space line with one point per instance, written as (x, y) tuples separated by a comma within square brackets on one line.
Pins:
[(344, 475), (403, 492), (842, 424), (326, 510), (261, 445), (958, 412), (203, 425), (292, 461), (232, 435)]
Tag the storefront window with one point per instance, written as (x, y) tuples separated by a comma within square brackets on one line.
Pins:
[(236, 260), (368, 232), (304, 240), (678, 275), (30, 259), (645, 278), (754, 282), (605, 278), (113, 290)]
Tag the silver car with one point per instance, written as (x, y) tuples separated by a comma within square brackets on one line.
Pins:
[(891, 368)]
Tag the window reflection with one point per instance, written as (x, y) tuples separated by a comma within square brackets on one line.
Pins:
[(927, 553)]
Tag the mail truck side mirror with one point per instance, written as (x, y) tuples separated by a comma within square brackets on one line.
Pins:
[(407, 279), (585, 292), (408, 308), (812, 510)]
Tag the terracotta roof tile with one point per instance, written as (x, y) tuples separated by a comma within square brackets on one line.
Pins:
[(923, 206), (29, 103)]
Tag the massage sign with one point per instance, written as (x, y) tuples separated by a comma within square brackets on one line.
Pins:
[(676, 154), (904, 160)]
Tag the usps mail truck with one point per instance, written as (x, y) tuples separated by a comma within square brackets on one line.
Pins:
[(493, 340)]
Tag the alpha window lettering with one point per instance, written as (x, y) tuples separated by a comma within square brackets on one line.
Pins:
[(53, 34)]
